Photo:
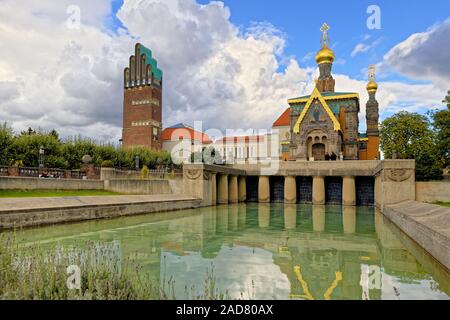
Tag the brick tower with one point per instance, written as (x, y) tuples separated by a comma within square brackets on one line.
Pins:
[(372, 117), (142, 104)]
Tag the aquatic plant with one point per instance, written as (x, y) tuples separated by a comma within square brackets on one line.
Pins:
[(37, 273)]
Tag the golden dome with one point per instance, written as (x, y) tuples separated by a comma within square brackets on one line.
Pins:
[(372, 86), (325, 55)]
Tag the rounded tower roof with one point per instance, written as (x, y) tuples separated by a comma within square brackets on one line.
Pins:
[(372, 86), (325, 55)]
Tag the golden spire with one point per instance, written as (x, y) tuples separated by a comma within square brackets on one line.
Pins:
[(372, 86), (325, 55)]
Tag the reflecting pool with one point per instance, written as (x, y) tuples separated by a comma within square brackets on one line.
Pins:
[(262, 251)]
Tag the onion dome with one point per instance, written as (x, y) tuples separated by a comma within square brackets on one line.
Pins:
[(325, 55)]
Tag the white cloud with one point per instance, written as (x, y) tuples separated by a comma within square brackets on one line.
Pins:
[(424, 56), (71, 80), (365, 47)]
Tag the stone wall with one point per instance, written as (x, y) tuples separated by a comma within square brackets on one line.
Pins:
[(126, 186), (15, 183), (82, 210), (394, 182), (433, 191), (427, 224)]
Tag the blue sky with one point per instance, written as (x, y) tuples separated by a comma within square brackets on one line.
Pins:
[(300, 20)]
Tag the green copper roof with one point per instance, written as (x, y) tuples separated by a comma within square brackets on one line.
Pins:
[(157, 73)]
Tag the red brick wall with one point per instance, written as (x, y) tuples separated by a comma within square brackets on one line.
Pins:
[(142, 135)]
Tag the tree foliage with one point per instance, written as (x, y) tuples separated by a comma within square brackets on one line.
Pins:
[(6, 138), (410, 136), (68, 154), (441, 125)]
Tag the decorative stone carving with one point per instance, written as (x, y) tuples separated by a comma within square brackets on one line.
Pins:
[(399, 175), (193, 174), (207, 175)]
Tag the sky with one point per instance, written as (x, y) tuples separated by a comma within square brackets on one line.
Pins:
[(231, 64)]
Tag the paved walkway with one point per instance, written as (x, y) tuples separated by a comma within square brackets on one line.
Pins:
[(8, 205)]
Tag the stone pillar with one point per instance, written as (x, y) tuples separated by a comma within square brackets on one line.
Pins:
[(233, 189), (13, 171), (222, 194), (264, 189), (242, 189), (318, 213), (290, 190), (214, 188), (107, 173), (290, 216), (318, 192), (349, 219), (89, 171), (349, 191)]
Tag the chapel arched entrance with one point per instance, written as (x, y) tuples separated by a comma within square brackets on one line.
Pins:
[(318, 152)]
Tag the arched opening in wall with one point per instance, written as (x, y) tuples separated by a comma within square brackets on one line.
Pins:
[(252, 188), (304, 189), (365, 191), (333, 190), (318, 152), (277, 189)]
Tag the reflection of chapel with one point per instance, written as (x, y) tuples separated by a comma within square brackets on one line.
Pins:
[(326, 122)]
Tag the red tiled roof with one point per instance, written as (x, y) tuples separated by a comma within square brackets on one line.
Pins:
[(245, 139), (175, 134), (284, 120)]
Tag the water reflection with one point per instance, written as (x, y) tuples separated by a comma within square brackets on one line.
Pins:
[(263, 251)]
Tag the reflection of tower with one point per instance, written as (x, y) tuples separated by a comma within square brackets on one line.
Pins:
[(372, 117), (325, 59), (142, 105)]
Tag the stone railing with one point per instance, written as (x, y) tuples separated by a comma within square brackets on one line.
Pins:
[(89, 172)]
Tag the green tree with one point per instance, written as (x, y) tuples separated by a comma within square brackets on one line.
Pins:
[(447, 100), (411, 137), (441, 125), (75, 148), (26, 147), (6, 140)]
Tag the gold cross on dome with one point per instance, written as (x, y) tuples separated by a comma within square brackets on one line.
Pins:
[(372, 73), (325, 27)]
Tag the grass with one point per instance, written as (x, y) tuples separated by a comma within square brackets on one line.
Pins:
[(53, 193), (443, 204)]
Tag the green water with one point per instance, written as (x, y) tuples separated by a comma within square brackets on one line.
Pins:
[(260, 251)]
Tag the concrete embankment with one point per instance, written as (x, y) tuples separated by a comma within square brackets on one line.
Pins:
[(31, 212), (426, 224)]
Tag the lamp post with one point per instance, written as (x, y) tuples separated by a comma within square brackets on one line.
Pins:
[(137, 162), (41, 157)]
